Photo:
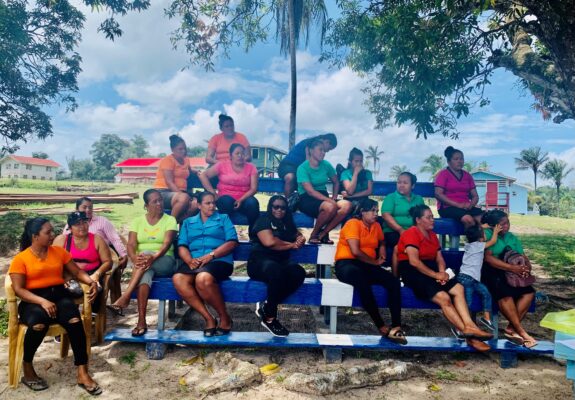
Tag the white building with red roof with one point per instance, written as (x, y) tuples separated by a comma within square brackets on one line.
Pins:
[(143, 170), (22, 167)]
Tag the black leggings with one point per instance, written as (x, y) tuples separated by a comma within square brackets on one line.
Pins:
[(66, 310), (361, 276), (250, 207), (282, 278)]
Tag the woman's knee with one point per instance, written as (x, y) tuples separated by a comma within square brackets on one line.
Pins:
[(39, 327), (180, 198), (468, 220), (205, 281), (328, 207), (344, 206), (442, 299)]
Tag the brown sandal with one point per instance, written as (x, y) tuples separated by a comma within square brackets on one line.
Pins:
[(397, 335)]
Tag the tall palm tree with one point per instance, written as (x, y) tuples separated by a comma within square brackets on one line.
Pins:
[(531, 158), (397, 170), (294, 19), (432, 165), (470, 166), (557, 171), (483, 166), (373, 153)]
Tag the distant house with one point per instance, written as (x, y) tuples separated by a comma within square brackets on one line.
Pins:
[(143, 170), (500, 191), (22, 167), (267, 159)]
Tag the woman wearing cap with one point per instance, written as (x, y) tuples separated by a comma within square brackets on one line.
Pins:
[(312, 177), (88, 251), (172, 178), (205, 245), (273, 236), (237, 184), (422, 269), (37, 274), (219, 145), (150, 250), (455, 191)]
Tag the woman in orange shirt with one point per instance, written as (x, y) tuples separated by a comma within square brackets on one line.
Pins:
[(219, 145), (172, 178), (358, 259), (37, 274)]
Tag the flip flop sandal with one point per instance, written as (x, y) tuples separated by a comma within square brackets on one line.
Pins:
[(36, 385), (116, 310), (397, 336), (530, 343), (514, 338), (326, 240), (314, 240), (487, 324), (209, 332), (92, 391), (139, 331), (223, 331)]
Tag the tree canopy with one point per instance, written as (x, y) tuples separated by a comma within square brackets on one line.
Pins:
[(39, 64), (430, 61)]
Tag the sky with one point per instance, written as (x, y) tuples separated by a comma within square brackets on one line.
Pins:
[(138, 84)]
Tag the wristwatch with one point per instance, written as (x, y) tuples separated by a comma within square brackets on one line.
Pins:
[(213, 254)]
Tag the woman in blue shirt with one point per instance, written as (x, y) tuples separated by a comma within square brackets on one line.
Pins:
[(205, 245)]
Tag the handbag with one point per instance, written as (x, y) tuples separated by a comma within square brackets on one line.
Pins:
[(514, 258), (72, 285)]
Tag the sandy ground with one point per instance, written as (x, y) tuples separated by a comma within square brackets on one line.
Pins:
[(444, 376)]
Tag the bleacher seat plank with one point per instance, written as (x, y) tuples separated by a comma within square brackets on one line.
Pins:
[(313, 340)]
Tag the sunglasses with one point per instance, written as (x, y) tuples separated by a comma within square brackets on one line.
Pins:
[(278, 207)]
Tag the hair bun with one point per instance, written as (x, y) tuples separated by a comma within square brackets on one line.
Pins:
[(448, 151)]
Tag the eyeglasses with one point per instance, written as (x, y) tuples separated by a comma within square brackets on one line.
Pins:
[(278, 207)]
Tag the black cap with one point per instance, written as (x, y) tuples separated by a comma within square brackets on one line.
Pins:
[(76, 217)]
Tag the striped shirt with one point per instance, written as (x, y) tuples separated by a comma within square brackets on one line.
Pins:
[(103, 227)]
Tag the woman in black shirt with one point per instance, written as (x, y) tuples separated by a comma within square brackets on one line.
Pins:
[(273, 236)]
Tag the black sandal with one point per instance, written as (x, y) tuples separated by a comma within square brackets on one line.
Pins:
[(36, 384), (326, 239), (223, 331), (139, 331), (92, 391)]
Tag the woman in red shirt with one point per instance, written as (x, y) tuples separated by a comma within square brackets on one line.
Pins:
[(422, 269), (358, 259)]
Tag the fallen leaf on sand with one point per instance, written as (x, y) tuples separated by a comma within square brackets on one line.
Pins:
[(182, 381), (270, 369), (434, 388), (460, 364)]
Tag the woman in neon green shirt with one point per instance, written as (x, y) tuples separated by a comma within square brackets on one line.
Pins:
[(150, 250)]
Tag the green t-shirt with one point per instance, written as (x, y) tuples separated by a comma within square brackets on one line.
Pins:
[(398, 206), (151, 237), (502, 242), (347, 175), (318, 177)]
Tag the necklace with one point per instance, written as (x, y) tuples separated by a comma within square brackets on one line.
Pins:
[(38, 256)]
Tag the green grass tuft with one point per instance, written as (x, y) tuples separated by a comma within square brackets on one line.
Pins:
[(556, 253), (128, 358)]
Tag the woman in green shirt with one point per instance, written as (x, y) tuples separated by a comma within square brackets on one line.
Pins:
[(395, 208), (150, 250), (513, 301), (312, 177), (357, 182)]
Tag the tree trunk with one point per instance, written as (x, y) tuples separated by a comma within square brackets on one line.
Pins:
[(292, 49), (535, 179)]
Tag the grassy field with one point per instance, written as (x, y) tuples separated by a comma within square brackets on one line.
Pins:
[(555, 252), (550, 224)]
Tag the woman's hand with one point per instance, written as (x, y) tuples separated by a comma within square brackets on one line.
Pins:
[(203, 260), (344, 194), (521, 270), (496, 229), (380, 260), (49, 307), (93, 291), (441, 277), (237, 204)]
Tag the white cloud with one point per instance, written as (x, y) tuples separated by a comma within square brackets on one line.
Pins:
[(123, 119)]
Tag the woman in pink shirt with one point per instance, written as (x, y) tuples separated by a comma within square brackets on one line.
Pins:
[(237, 184), (455, 191)]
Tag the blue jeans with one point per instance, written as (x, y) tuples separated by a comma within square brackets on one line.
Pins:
[(471, 286), (250, 207)]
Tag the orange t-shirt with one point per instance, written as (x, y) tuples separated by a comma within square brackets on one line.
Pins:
[(181, 172), (369, 239), (222, 145), (41, 273), (413, 237)]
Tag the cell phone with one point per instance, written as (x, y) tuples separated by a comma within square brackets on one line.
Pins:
[(339, 197)]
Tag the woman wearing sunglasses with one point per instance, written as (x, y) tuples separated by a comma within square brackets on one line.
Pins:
[(273, 236)]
